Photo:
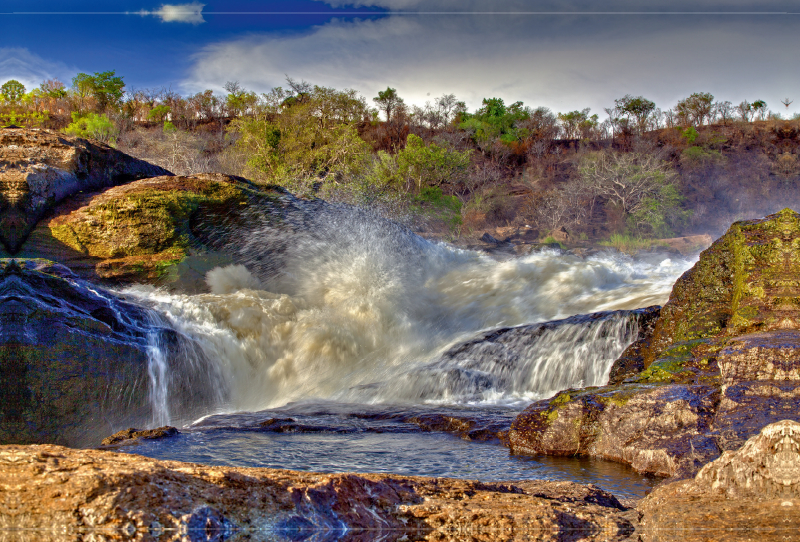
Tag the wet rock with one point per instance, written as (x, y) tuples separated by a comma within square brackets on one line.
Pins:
[(755, 489), (631, 362), (721, 362), (467, 427), (50, 490), (748, 281), (133, 436), (660, 430), (39, 168), (74, 359)]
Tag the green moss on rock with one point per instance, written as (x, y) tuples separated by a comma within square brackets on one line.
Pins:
[(141, 230), (747, 281)]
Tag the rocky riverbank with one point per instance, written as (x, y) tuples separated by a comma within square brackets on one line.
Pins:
[(720, 364)]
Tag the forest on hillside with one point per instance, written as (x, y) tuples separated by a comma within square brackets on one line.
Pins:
[(642, 172)]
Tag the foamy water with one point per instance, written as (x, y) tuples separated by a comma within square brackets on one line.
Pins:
[(366, 322)]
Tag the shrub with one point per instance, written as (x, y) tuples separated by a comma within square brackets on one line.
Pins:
[(94, 126)]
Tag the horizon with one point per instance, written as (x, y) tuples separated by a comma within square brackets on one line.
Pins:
[(564, 56)]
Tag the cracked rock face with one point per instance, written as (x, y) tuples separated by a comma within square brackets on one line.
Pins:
[(39, 168), (754, 489)]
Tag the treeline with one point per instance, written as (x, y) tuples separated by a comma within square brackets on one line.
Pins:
[(641, 171)]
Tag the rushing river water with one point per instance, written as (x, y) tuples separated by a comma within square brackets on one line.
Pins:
[(365, 324)]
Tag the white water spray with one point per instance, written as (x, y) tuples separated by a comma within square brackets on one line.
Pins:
[(366, 323)]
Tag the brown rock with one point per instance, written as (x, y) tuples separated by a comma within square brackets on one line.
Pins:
[(132, 435), (561, 235), (39, 168), (748, 494), (659, 430), (57, 491), (690, 244)]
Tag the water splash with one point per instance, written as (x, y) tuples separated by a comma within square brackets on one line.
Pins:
[(365, 321)]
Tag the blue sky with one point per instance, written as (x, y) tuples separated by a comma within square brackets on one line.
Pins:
[(561, 54)]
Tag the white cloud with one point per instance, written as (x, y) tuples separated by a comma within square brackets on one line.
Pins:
[(179, 13), (564, 63), (30, 69)]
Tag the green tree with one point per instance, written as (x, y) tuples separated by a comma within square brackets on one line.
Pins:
[(92, 125), (311, 138), (696, 109), (637, 109), (760, 107), (159, 113), (82, 88), (239, 101), (106, 88), (430, 165), (389, 102), (496, 120), (578, 123), (12, 91)]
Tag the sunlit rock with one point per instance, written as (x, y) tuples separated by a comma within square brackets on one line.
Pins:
[(755, 489), (39, 168)]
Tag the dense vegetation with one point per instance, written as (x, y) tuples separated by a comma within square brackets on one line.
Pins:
[(641, 172)]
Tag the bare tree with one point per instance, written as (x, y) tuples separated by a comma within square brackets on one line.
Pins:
[(724, 111), (640, 183), (745, 111)]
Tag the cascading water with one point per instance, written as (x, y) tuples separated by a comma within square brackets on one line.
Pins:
[(361, 314), (335, 341)]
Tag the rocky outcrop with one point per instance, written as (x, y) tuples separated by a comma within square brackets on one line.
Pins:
[(39, 168), (753, 490), (75, 359), (720, 363), (59, 492), (151, 231)]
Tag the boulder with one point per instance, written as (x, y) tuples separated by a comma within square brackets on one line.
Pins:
[(161, 230), (58, 492), (39, 168), (561, 235), (755, 489), (720, 363), (75, 360)]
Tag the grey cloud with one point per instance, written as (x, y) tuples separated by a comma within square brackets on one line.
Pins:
[(563, 63), (571, 5)]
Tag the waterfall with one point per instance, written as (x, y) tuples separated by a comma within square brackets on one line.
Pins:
[(366, 320)]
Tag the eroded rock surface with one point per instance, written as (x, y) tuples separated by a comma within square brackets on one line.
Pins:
[(53, 492), (750, 493), (722, 361), (39, 168)]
